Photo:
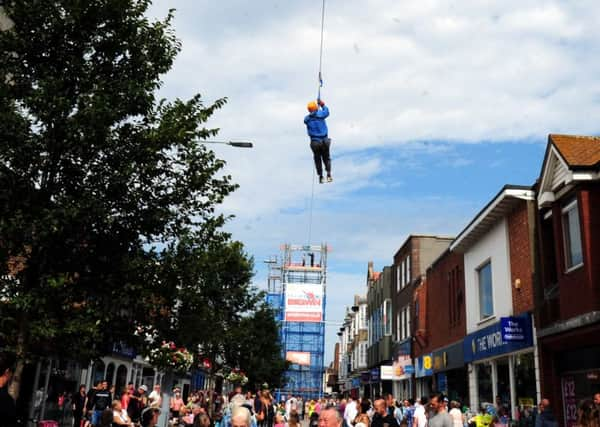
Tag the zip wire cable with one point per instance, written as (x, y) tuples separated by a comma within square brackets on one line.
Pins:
[(312, 193)]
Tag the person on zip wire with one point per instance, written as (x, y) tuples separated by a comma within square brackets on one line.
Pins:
[(319, 142)]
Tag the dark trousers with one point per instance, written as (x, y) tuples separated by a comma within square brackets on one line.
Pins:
[(320, 149)]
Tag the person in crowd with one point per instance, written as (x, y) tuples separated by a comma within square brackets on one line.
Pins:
[(149, 417), (267, 402), (155, 398), (456, 414), (8, 408), (100, 402), (362, 419), (279, 420), (300, 408), (126, 396), (409, 411), (390, 403), (382, 416), (78, 405), (294, 420), (176, 404), (545, 416), (350, 411), (330, 417), (240, 417), (399, 412), (440, 417), (120, 415), (419, 415), (137, 403), (313, 420), (201, 420), (587, 414), (106, 417)]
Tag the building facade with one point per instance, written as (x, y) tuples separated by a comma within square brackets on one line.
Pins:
[(409, 268), (499, 346), (568, 295)]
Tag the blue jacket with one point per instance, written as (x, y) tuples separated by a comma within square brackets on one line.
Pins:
[(315, 123)]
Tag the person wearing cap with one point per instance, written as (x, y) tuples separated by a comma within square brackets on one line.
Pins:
[(316, 127), (137, 403)]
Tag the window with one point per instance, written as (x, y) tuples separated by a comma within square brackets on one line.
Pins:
[(387, 317), (407, 323), (486, 303), (402, 275), (408, 270), (398, 284), (572, 235)]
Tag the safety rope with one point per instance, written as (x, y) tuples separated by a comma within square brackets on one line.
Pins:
[(312, 192), (321, 51), (310, 210)]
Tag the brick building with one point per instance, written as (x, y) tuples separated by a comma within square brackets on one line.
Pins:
[(568, 295), (409, 268), (440, 333)]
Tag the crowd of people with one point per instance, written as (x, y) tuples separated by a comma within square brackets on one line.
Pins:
[(102, 406)]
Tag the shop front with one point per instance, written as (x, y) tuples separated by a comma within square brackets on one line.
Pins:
[(402, 370), (374, 382), (450, 373), (501, 366), (355, 388), (571, 366), (424, 375), (365, 379)]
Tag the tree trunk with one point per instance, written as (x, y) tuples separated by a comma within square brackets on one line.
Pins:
[(21, 351)]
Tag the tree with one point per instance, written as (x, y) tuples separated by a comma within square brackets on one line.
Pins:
[(102, 185), (255, 347)]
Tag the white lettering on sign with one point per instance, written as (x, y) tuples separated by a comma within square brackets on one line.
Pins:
[(490, 341)]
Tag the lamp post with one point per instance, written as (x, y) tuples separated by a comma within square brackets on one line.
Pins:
[(239, 144)]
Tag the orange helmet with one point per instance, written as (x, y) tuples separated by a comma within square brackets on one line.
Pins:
[(312, 106)]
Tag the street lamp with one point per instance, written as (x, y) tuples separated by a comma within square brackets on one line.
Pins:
[(239, 144)]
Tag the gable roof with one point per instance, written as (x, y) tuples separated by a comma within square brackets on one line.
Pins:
[(577, 151), (568, 159)]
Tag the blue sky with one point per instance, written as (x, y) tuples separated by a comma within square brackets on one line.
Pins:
[(435, 105)]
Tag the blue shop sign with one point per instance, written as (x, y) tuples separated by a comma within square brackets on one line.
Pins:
[(424, 366), (513, 328), (355, 382), (375, 375), (489, 341)]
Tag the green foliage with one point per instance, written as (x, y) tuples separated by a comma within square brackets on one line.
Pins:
[(255, 348), (107, 201)]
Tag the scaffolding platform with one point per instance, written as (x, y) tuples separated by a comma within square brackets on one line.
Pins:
[(297, 292)]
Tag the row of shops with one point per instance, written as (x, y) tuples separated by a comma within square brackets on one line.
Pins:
[(490, 366)]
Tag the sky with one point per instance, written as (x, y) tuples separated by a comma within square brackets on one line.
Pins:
[(435, 105)]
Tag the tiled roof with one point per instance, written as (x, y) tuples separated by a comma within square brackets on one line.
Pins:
[(376, 275), (578, 151)]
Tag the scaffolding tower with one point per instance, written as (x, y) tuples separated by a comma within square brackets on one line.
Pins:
[(300, 278)]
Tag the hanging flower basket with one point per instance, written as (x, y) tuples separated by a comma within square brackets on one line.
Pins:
[(236, 376), (170, 357)]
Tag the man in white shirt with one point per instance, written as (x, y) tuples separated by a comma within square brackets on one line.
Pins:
[(420, 418), (351, 411), (155, 399)]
